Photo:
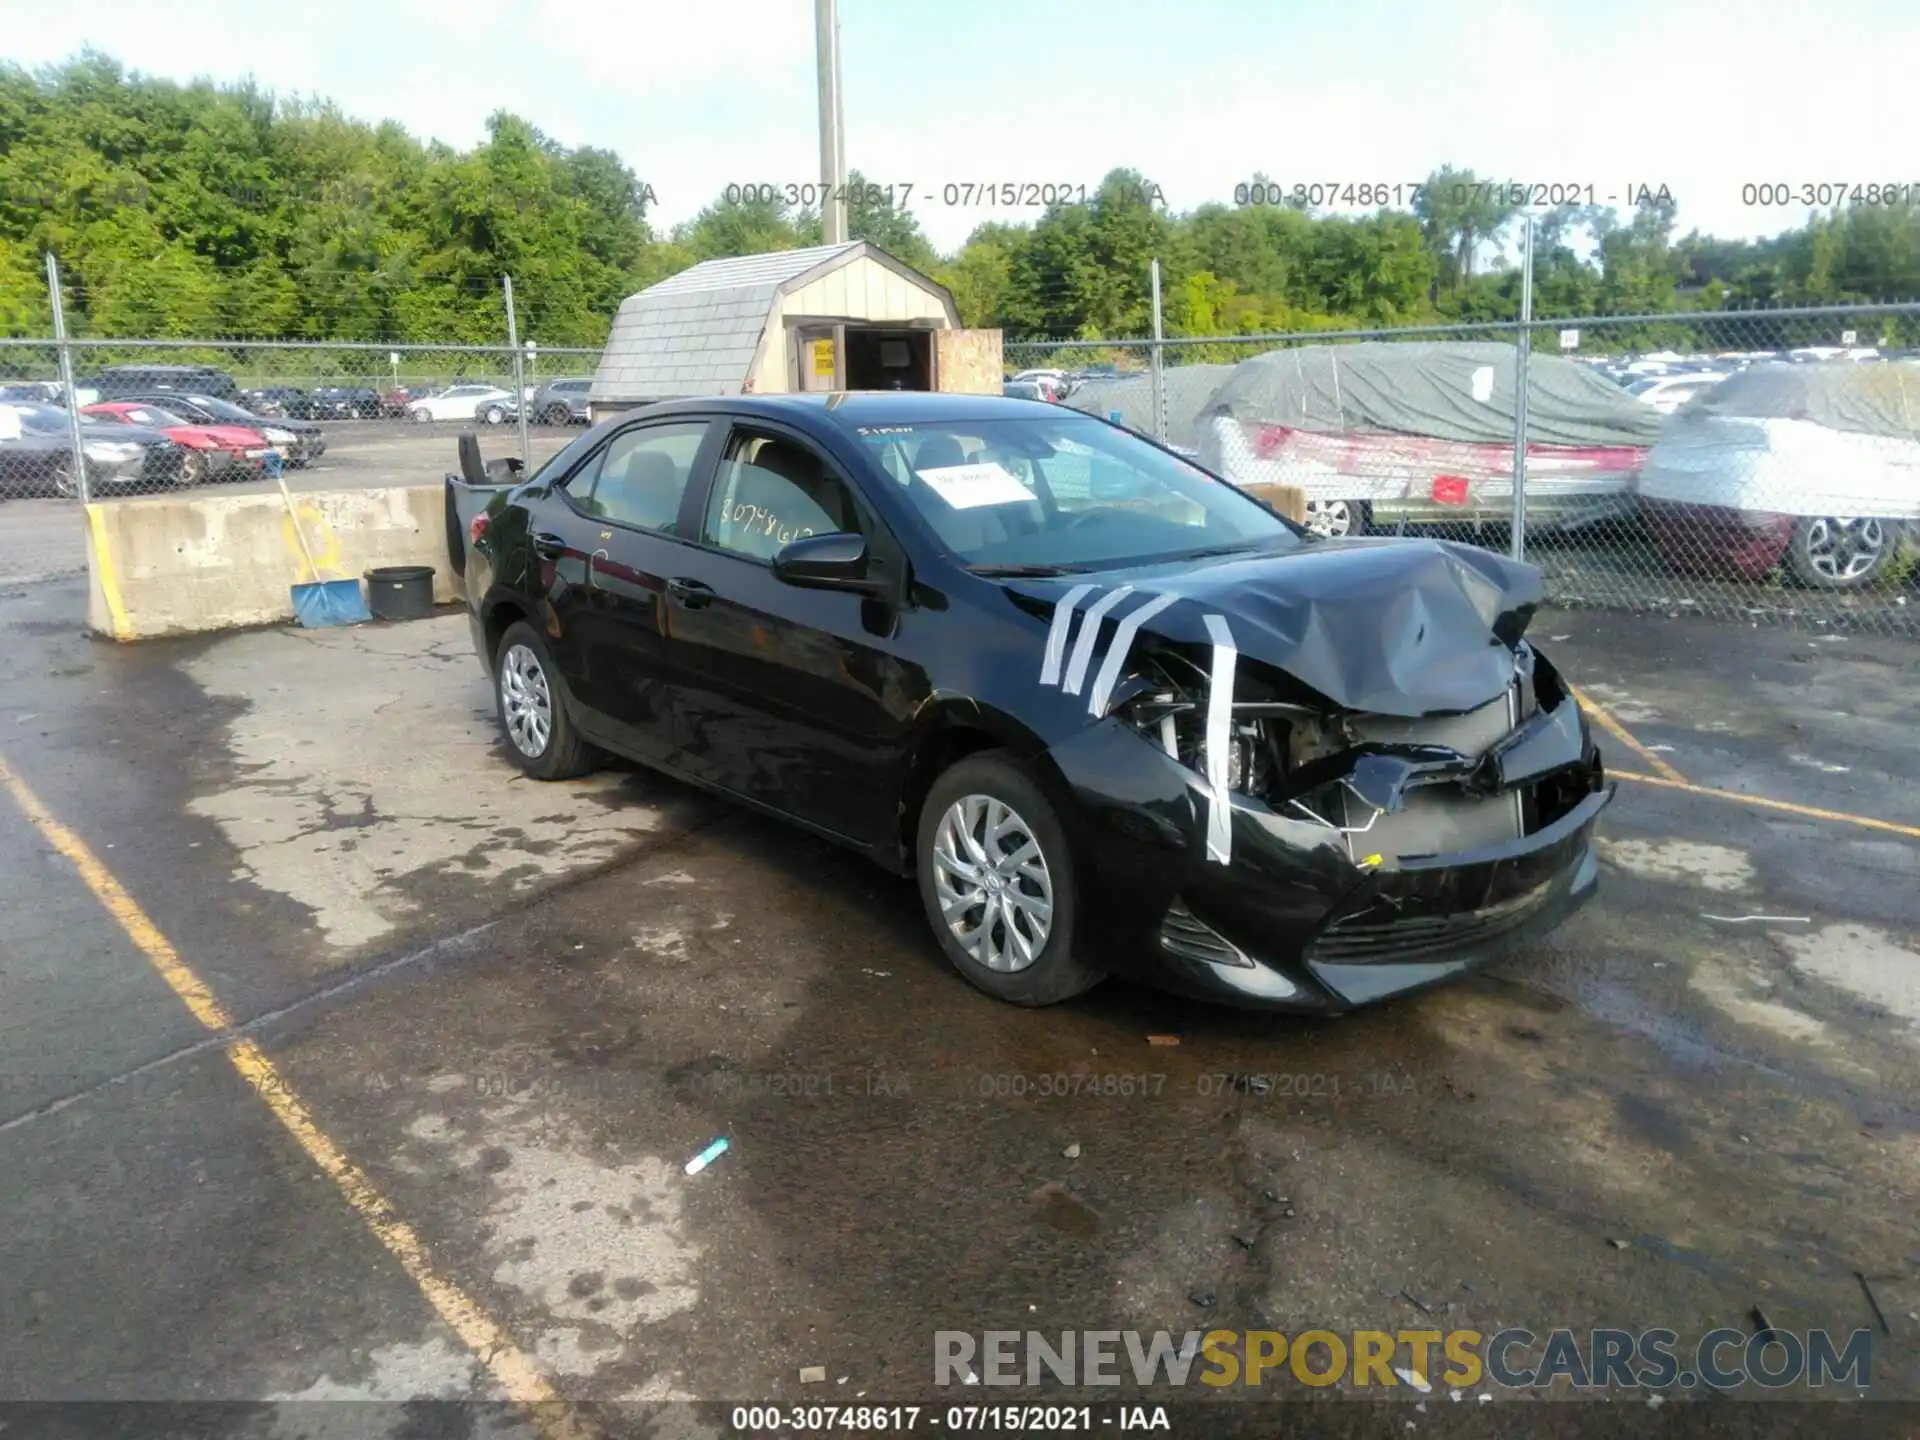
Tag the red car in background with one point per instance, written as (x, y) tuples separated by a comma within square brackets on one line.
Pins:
[(208, 452)]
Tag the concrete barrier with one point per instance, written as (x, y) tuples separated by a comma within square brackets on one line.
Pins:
[(182, 564)]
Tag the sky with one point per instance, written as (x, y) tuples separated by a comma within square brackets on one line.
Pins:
[(1701, 96)]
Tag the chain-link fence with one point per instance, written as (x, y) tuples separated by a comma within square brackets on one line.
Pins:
[(146, 417), (1751, 465)]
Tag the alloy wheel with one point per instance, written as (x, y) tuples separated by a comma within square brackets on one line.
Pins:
[(526, 702), (63, 482), (1842, 549), (994, 887), (1331, 518)]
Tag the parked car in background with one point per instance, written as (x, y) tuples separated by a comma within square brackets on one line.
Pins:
[(1384, 434), (1023, 390), (115, 382), (394, 402), (298, 442), (36, 454), (1814, 464), (31, 392), (562, 401), (286, 401), (1283, 772), (346, 402), (1667, 393), (208, 452), (457, 402)]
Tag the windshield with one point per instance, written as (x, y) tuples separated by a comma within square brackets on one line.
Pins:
[(38, 419), (1063, 491), (155, 419), (223, 409)]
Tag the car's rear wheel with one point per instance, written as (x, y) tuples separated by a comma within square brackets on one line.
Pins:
[(541, 739), (996, 878), (1337, 519), (557, 415), (192, 469), (1835, 552)]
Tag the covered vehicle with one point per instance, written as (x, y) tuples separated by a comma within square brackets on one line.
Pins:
[(297, 442), (1128, 400), (36, 454), (1422, 433), (1112, 713), (207, 452), (1814, 464)]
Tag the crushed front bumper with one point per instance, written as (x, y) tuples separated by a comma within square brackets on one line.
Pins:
[(1301, 918)]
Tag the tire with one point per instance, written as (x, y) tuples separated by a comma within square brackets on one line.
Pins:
[(495, 415), (61, 481), (557, 415), (525, 688), (420, 417), (1338, 519), (193, 470), (959, 805), (1834, 552)]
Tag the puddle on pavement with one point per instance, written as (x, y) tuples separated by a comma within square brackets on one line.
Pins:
[(1712, 867)]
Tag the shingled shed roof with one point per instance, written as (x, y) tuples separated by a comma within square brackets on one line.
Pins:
[(696, 333)]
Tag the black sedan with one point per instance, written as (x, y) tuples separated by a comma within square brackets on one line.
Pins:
[(300, 442), (346, 402), (279, 400), (36, 455), (1112, 713)]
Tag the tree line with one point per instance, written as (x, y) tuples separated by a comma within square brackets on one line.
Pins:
[(224, 210)]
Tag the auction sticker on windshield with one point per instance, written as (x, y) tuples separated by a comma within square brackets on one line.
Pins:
[(966, 487)]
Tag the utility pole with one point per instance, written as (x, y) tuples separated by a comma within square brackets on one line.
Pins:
[(833, 146)]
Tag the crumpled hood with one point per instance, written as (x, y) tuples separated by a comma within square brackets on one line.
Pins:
[(1383, 626)]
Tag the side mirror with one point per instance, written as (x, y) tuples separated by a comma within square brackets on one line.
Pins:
[(836, 561)]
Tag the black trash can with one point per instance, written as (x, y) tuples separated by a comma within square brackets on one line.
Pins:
[(400, 592)]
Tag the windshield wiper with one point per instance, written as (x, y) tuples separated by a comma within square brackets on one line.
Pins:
[(1018, 572)]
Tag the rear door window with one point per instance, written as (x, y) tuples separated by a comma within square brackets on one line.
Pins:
[(638, 477)]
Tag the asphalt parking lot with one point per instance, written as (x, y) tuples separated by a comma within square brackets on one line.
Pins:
[(485, 1022)]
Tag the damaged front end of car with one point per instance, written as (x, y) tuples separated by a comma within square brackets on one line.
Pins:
[(1259, 842)]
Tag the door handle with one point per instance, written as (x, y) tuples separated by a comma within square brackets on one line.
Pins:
[(549, 546), (690, 593)]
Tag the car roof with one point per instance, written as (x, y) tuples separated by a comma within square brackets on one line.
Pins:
[(852, 409)]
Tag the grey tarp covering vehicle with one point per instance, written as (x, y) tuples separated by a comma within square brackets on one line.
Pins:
[(1814, 464), (1187, 388), (1423, 432), (1444, 390)]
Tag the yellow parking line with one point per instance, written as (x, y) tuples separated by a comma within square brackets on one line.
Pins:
[(1620, 732), (1760, 800), (510, 1366)]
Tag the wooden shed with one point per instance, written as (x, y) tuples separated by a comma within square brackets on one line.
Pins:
[(832, 317)]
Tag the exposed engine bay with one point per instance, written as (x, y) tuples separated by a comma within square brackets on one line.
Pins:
[(1392, 787)]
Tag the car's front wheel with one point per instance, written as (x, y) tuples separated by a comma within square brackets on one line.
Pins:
[(541, 739), (1837, 552), (420, 416), (1337, 519), (997, 881), (495, 415)]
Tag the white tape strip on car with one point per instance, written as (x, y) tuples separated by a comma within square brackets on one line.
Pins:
[(1109, 675), (1057, 636), (1219, 738), (1089, 636)]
